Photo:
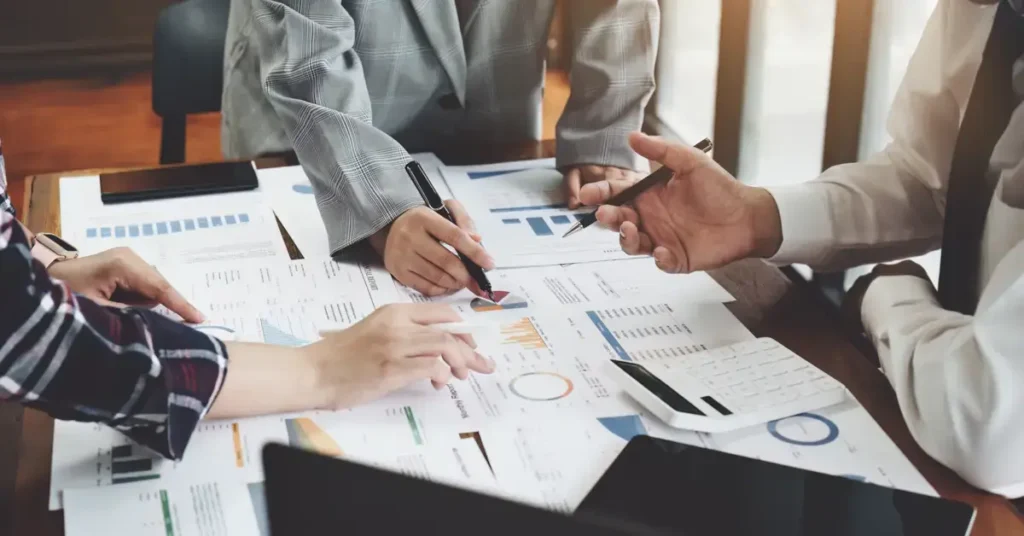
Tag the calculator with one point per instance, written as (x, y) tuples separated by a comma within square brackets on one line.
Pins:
[(727, 388)]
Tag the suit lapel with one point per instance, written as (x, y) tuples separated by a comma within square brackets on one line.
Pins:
[(440, 23)]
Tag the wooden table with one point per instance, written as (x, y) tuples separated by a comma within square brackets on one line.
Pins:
[(768, 302)]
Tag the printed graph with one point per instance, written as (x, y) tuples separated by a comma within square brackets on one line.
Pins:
[(626, 426), (306, 434), (502, 300), (541, 386), (523, 333), (158, 228), (539, 225), (804, 429), (275, 335), (306, 189), (129, 463)]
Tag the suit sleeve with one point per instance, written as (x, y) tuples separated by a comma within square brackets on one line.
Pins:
[(892, 204), (611, 79), (314, 80)]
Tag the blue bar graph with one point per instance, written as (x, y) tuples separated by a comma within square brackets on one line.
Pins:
[(135, 230), (511, 220), (475, 175), (560, 220), (539, 226)]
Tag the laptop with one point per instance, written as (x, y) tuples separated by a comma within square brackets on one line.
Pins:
[(308, 493)]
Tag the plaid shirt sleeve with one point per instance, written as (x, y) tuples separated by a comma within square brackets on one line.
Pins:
[(146, 375)]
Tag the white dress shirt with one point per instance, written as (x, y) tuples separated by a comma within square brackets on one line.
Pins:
[(959, 379)]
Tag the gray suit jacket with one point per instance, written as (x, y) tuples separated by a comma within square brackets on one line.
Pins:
[(350, 84)]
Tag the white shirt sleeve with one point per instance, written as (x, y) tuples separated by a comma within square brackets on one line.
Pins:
[(959, 379), (892, 205)]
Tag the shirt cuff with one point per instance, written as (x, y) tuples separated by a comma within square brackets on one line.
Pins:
[(882, 295), (607, 147), (806, 225)]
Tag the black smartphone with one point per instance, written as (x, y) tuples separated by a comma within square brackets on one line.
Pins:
[(145, 185), (695, 491)]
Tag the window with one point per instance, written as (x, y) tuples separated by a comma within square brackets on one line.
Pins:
[(789, 63), (688, 66)]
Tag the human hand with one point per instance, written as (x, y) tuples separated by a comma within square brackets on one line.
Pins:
[(391, 349), (590, 185), (119, 277), (853, 302), (702, 218), (412, 250)]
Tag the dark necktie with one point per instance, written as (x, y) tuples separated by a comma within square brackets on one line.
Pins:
[(991, 104)]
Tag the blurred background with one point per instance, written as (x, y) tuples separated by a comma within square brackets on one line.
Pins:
[(784, 87)]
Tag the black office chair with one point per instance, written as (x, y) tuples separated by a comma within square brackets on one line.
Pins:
[(188, 58)]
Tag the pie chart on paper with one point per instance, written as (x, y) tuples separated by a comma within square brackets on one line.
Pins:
[(502, 300)]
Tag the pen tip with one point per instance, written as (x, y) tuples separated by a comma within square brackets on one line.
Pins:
[(573, 230)]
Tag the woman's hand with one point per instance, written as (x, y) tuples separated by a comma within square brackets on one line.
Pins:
[(391, 349)]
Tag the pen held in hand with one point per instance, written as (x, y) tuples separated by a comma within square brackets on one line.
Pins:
[(660, 176)]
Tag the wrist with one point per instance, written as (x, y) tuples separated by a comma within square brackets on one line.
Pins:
[(765, 224)]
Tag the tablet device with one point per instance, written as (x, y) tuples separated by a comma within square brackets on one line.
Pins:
[(179, 181), (308, 493), (695, 491)]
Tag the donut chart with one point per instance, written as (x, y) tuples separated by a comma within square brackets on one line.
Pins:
[(541, 386), (827, 435)]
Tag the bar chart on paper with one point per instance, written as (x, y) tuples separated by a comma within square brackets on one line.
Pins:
[(658, 330), (522, 206)]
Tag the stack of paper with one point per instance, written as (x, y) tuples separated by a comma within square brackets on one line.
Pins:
[(541, 429)]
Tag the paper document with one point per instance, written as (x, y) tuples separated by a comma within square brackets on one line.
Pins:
[(281, 302), (234, 508), (841, 440), (187, 230), (584, 286), (520, 211), (290, 194)]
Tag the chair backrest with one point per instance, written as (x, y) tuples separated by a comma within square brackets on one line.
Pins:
[(188, 57)]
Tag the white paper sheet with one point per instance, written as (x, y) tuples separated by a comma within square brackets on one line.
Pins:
[(290, 195), (520, 211), (189, 230), (235, 508)]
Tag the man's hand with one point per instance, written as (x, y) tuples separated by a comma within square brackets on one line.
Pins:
[(412, 250), (853, 302), (601, 177), (119, 277), (700, 219)]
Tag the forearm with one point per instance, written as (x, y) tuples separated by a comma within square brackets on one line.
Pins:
[(317, 87), (957, 378), (264, 379), (611, 80)]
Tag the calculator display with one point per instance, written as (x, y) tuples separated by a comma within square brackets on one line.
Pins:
[(660, 389)]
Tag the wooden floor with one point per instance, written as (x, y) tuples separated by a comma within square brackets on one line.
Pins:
[(60, 125)]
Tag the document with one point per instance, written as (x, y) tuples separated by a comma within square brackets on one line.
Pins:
[(521, 207), (207, 507), (189, 230), (282, 302), (840, 440), (290, 194), (582, 287)]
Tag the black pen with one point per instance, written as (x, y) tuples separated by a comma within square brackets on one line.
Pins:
[(434, 202), (661, 175)]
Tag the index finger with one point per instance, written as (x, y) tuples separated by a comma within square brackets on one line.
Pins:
[(679, 158), (462, 218), (614, 217), (598, 192), (447, 232)]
